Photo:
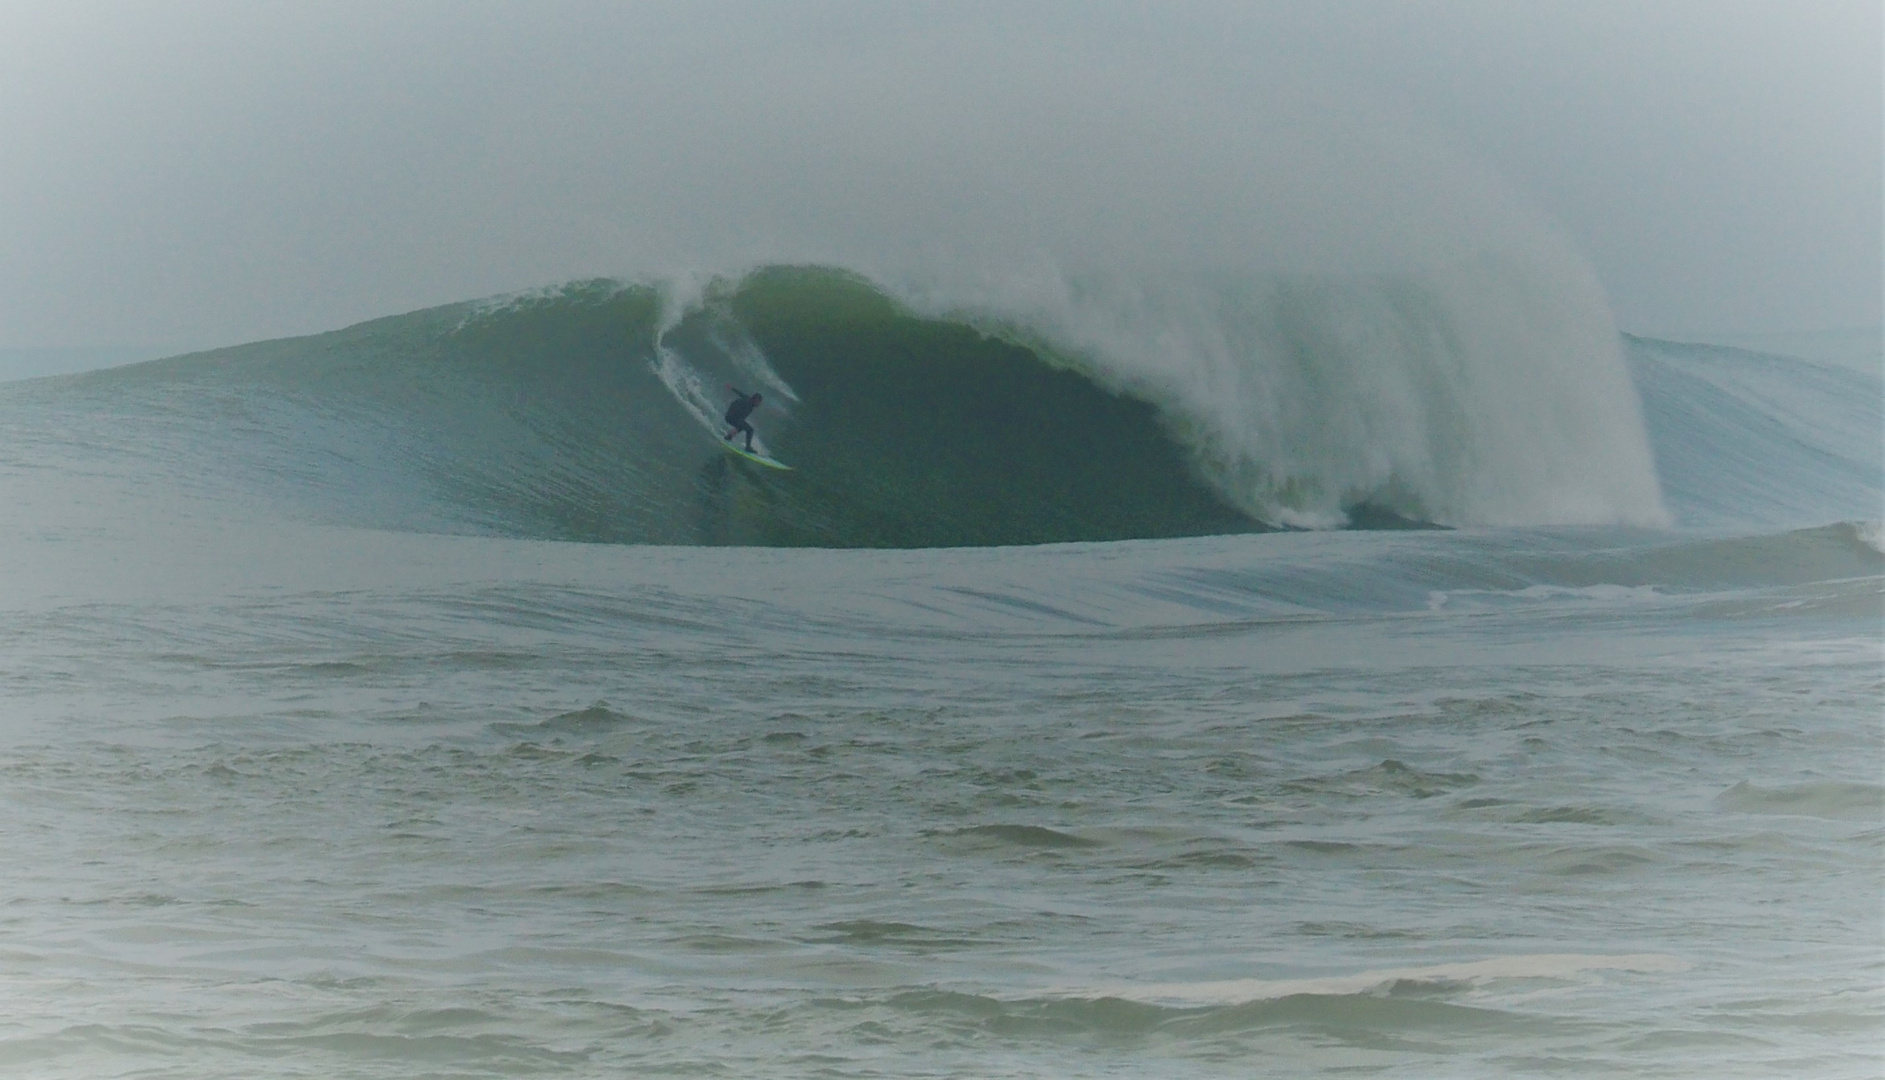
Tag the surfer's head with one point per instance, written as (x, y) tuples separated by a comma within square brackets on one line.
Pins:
[(755, 399)]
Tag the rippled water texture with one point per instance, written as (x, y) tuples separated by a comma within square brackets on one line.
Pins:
[(302, 802)]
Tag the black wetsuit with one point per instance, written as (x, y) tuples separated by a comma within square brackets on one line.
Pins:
[(737, 413)]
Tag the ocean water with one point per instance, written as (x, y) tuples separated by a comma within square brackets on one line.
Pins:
[(373, 709)]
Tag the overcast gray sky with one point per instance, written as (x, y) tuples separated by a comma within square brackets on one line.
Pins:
[(193, 174)]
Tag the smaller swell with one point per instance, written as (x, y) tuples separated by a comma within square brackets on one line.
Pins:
[(1744, 438), (1384, 982), (1836, 799)]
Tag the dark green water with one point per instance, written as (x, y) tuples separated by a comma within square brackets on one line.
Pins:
[(544, 418), (916, 432)]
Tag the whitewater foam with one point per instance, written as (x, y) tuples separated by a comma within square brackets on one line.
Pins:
[(1488, 392)]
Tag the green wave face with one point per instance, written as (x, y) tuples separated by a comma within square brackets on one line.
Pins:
[(920, 432), (546, 416)]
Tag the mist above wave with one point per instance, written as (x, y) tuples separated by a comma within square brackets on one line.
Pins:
[(1488, 392)]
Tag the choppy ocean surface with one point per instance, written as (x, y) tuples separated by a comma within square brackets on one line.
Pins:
[(325, 753)]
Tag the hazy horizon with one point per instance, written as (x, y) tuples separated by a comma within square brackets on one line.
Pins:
[(207, 175)]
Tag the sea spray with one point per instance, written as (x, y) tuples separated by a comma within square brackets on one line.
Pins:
[(1489, 392)]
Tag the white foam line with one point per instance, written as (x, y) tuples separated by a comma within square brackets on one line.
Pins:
[(750, 360), (682, 294), (687, 387), (1239, 991)]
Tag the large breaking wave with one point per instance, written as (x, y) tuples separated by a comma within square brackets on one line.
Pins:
[(1072, 410)]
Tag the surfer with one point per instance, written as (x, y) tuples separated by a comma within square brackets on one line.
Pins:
[(742, 407)]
